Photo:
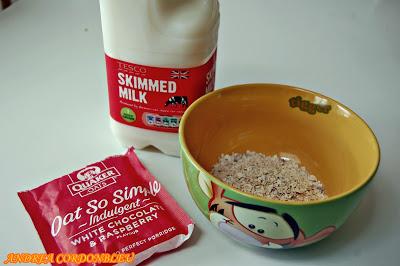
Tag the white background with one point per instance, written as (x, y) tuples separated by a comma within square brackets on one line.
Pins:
[(53, 111)]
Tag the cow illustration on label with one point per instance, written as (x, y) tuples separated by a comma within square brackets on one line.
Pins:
[(258, 225), (177, 100)]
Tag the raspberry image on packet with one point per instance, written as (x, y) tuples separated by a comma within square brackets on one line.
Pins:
[(112, 206)]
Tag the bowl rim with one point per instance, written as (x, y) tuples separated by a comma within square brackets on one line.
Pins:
[(225, 186)]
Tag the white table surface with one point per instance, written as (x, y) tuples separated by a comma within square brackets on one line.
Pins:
[(53, 111)]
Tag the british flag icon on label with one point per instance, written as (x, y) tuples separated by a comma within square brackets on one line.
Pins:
[(180, 74)]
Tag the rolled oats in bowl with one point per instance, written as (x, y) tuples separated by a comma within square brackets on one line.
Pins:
[(274, 177)]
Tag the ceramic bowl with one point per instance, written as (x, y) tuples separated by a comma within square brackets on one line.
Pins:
[(330, 140)]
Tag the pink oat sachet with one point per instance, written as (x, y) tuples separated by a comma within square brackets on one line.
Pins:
[(112, 206)]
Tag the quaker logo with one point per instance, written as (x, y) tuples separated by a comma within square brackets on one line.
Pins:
[(92, 179), (88, 173)]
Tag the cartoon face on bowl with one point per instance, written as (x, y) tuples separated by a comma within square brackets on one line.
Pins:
[(257, 225), (264, 222)]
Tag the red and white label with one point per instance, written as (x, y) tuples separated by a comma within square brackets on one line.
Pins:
[(155, 98)]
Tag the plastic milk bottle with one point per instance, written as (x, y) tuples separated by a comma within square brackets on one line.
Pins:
[(160, 57)]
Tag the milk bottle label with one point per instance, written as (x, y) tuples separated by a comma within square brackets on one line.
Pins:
[(155, 97)]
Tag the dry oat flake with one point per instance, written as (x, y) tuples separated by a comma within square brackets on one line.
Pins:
[(273, 177), (112, 206)]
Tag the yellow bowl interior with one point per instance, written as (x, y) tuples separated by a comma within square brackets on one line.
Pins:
[(338, 147)]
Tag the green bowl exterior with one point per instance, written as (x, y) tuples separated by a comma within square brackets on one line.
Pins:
[(312, 219)]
